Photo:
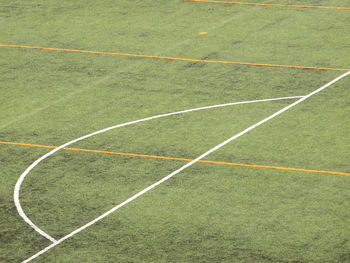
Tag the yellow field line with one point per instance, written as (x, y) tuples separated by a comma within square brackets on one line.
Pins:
[(172, 58), (179, 159), (261, 4)]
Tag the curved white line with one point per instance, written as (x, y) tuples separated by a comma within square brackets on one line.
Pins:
[(26, 172)]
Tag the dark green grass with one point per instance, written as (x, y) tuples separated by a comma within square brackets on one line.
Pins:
[(208, 213), (18, 241)]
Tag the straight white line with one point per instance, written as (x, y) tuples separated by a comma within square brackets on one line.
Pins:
[(184, 167), (35, 163)]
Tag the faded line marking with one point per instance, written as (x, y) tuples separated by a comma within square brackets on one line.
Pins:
[(276, 5), (91, 85), (173, 58)]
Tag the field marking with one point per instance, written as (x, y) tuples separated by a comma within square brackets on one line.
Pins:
[(183, 167), (178, 159), (101, 80), (173, 58), (89, 86), (276, 5), (35, 163)]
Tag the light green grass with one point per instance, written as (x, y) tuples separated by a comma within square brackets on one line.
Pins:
[(209, 212)]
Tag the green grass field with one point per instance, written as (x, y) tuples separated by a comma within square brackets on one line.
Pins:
[(211, 211)]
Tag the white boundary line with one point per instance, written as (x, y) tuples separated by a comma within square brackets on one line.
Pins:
[(26, 172), (185, 166)]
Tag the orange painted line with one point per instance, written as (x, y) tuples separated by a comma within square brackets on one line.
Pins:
[(180, 159), (28, 144), (173, 58), (261, 4), (129, 154)]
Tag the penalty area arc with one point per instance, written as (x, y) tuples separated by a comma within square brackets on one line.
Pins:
[(16, 194)]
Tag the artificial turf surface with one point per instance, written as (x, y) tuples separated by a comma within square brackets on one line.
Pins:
[(208, 212)]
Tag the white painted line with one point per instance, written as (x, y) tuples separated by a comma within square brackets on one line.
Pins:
[(184, 167), (25, 173)]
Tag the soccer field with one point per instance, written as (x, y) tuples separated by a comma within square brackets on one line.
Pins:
[(175, 131)]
